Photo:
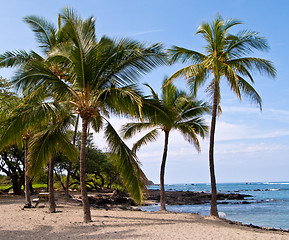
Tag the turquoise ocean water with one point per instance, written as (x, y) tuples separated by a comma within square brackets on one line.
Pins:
[(269, 205)]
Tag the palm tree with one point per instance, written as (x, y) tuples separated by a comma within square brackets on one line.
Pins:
[(96, 82), (227, 58), (21, 138), (41, 126), (177, 111), (9, 100), (46, 145), (47, 36)]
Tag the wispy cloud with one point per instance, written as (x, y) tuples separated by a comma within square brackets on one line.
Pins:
[(243, 110), (233, 148), (146, 32), (267, 113)]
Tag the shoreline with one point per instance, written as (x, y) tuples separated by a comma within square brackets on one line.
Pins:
[(117, 223), (108, 199), (194, 198)]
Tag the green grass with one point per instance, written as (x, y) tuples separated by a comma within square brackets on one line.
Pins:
[(5, 187), (39, 185)]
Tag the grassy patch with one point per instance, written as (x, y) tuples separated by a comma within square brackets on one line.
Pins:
[(39, 185), (5, 187)]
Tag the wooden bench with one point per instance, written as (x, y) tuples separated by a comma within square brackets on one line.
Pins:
[(42, 197)]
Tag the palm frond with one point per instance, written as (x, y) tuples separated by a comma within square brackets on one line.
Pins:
[(130, 129), (45, 32), (154, 94), (193, 109), (48, 143), (191, 129), (184, 55), (194, 74), (232, 79), (149, 137), (231, 22), (129, 60), (263, 66), (17, 58), (125, 101), (244, 42), (96, 123), (35, 74), (127, 164), (249, 91)]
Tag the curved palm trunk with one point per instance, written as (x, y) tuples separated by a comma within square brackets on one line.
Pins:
[(162, 173), (70, 163), (214, 210), (52, 205), (84, 197), (26, 178)]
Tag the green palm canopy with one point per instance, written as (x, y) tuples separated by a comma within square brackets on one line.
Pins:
[(95, 77)]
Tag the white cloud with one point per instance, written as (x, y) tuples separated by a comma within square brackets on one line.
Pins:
[(236, 148), (229, 131), (243, 110), (244, 143)]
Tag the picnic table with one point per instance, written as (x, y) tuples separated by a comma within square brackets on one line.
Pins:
[(42, 197)]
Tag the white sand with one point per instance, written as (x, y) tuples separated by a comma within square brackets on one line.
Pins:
[(37, 223)]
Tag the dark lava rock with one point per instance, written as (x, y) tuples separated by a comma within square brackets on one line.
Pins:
[(114, 200), (191, 198)]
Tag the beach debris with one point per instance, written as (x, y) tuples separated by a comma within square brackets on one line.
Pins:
[(222, 215)]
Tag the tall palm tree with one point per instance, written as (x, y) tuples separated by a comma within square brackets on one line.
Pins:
[(96, 82), (227, 57), (177, 111)]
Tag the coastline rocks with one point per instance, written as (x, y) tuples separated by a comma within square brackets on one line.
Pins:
[(110, 201), (191, 198)]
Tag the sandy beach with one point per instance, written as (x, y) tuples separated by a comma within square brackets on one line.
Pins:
[(37, 223)]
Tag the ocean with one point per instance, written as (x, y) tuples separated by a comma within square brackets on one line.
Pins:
[(269, 206)]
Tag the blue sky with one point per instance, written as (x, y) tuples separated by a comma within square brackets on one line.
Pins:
[(250, 145)]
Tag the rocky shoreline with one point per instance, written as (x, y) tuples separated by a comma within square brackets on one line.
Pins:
[(172, 198), (192, 198)]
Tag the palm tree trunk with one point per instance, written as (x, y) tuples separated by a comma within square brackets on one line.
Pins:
[(70, 163), (162, 173), (84, 197), (214, 210), (27, 180), (52, 205), (16, 184)]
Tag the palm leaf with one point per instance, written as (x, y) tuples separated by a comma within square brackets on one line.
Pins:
[(249, 91), (130, 129), (48, 143), (45, 32), (127, 164), (17, 58), (184, 55), (149, 137)]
